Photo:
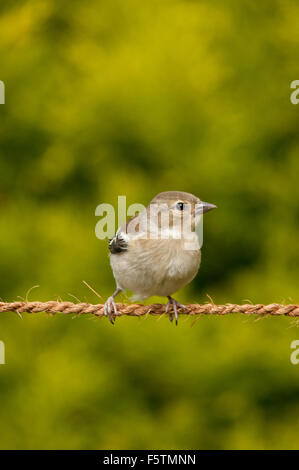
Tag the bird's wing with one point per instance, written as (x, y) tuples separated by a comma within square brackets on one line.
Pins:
[(118, 244), (130, 231)]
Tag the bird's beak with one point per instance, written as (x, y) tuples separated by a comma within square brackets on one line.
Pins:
[(203, 207)]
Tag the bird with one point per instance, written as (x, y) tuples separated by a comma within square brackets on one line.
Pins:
[(158, 251)]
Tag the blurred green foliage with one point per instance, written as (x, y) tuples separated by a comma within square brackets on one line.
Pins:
[(133, 98)]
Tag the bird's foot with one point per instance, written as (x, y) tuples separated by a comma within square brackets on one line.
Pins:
[(174, 305), (109, 304)]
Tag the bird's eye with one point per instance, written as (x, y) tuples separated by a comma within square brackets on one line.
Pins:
[(180, 206)]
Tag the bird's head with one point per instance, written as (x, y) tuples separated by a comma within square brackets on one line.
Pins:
[(178, 209)]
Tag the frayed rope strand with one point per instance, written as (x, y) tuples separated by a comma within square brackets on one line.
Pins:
[(137, 310)]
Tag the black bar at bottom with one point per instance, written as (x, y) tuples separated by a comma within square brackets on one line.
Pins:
[(141, 458)]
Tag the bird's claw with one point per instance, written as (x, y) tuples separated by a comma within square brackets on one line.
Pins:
[(174, 304), (108, 310)]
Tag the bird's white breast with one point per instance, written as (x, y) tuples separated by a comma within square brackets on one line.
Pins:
[(155, 267)]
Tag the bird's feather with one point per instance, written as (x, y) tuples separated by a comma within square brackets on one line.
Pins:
[(117, 244)]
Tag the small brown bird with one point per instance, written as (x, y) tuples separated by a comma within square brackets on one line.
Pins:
[(158, 251)]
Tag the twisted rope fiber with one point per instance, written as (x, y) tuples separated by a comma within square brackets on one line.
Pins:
[(137, 310)]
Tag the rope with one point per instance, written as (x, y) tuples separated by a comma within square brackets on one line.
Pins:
[(137, 310)]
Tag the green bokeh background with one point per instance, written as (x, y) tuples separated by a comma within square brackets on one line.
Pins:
[(133, 98)]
